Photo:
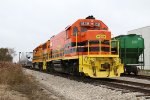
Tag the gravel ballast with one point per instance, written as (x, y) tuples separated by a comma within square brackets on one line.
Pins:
[(74, 90)]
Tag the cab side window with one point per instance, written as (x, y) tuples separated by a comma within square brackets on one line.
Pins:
[(75, 31), (67, 35), (84, 29)]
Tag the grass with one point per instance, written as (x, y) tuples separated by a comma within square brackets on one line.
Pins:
[(12, 75)]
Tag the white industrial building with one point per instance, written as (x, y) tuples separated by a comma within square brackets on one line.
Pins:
[(145, 32)]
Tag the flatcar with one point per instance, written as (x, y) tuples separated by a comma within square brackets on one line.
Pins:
[(83, 48), (131, 52)]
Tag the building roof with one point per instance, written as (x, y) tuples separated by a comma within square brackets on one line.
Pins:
[(139, 28)]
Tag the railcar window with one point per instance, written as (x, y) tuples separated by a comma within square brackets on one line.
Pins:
[(44, 46), (84, 29), (67, 35), (75, 31)]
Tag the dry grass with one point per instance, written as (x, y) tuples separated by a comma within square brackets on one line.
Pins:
[(12, 75)]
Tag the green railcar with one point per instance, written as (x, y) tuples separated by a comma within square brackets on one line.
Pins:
[(131, 49)]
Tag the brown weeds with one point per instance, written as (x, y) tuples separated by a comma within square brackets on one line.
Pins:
[(13, 76)]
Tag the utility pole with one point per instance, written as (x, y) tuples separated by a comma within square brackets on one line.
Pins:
[(19, 57)]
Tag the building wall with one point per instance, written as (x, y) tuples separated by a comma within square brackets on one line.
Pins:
[(145, 32)]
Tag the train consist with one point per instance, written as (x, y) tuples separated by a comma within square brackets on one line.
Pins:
[(131, 52), (85, 47)]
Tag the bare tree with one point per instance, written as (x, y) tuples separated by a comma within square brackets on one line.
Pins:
[(7, 54)]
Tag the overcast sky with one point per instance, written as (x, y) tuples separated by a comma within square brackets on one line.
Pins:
[(24, 24)]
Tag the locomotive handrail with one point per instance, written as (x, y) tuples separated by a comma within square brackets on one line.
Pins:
[(116, 52), (110, 47), (88, 47), (99, 46), (76, 40), (117, 46)]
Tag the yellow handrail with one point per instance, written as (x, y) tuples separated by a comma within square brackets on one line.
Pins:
[(110, 47), (117, 45), (99, 46), (76, 40), (88, 47)]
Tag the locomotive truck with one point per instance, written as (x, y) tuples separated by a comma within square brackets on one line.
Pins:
[(85, 47)]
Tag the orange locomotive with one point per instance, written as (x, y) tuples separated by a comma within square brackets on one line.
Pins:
[(82, 48)]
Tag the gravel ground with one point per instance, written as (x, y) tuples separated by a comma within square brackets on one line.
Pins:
[(73, 90)]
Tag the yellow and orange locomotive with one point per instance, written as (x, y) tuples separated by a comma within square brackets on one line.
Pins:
[(85, 47)]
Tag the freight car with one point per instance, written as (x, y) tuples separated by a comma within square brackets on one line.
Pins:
[(131, 52), (25, 59), (82, 48)]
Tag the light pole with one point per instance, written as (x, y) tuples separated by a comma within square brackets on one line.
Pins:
[(19, 57)]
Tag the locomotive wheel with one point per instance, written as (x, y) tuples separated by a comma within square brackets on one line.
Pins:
[(76, 68), (72, 66), (51, 67), (48, 67), (40, 66)]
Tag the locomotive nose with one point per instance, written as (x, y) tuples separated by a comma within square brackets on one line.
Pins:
[(97, 35)]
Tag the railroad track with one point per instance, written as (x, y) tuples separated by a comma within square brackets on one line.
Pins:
[(127, 86), (138, 76), (113, 84)]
